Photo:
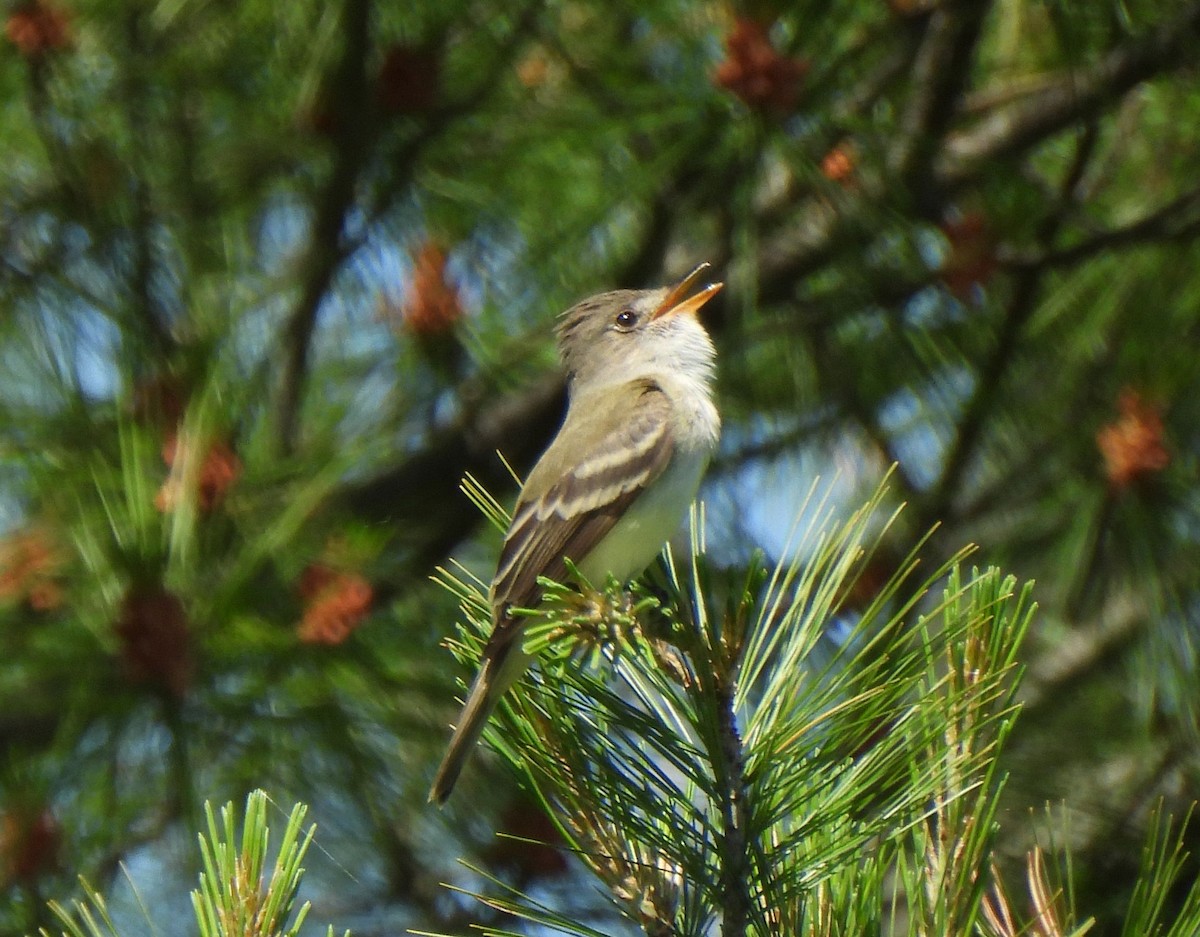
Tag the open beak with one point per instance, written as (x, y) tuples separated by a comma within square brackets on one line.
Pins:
[(678, 301)]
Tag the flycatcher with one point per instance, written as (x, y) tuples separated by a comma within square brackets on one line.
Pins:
[(615, 482)]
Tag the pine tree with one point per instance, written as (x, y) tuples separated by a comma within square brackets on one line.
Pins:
[(275, 277)]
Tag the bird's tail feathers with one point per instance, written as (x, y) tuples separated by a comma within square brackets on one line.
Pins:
[(496, 675)]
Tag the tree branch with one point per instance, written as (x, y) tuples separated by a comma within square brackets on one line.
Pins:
[(991, 374), (729, 767), (812, 230), (141, 290), (354, 134), (818, 228), (1177, 220), (1077, 95), (1079, 657), (326, 251), (424, 488), (941, 73)]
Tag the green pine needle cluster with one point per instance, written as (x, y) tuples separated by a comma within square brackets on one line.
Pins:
[(748, 757), (243, 891), (717, 760)]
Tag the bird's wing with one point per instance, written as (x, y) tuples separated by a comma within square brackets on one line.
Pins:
[(579, 489), (577, 504)]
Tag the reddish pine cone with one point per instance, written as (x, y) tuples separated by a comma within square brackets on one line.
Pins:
[(336, 603), (431, 306), (220, 469), (29, 567), (29, 845), (972, 257), (1132, 445), (839, 164), (38, 28), (155, 639), (756, 72)]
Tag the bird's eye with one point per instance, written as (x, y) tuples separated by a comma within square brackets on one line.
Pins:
[(626, 319)]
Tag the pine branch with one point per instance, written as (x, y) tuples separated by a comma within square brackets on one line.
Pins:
[(1082, 656), (1076, 95), (817, 227), (941, 74), (405, 161), (240, 894), (1021, 306), (149, 317), (352, 133), (731, 784), (666, 799), (426, 484), (1176, 221)]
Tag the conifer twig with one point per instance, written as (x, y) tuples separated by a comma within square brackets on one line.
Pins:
[(1021, 307), (326, 250), (1076, 95), (941, 73), (731, 782)]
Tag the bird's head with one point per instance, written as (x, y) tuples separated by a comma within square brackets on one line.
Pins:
[(625, 334)]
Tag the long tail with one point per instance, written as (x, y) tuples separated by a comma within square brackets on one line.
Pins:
[(496, 675)]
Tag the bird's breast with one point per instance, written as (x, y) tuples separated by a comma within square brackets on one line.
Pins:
[(697, 425), (649, 522)]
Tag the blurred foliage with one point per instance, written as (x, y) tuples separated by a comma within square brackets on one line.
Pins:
[(274, 277)]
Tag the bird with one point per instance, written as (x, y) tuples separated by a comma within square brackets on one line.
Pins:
[(616, 480)]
